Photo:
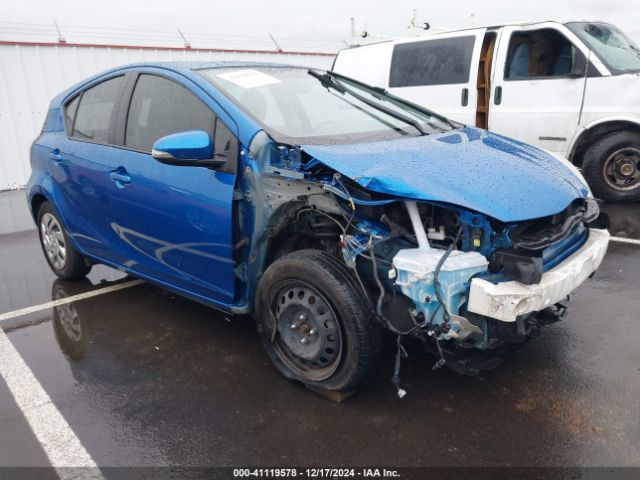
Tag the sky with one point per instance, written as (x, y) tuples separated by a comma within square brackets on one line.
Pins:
[(322, 25)]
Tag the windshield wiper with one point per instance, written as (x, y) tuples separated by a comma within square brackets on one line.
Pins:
[(328, 81), (395, 98)]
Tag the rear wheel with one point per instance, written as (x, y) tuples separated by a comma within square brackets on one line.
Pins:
[(65, 261), (612, 167), (315, 323)]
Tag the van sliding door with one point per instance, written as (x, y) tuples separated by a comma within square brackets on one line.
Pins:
[(439, 73)]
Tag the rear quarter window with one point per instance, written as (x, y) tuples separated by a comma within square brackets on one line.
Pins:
[(95, 112), (431, 62)]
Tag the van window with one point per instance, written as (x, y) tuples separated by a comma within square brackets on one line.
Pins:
[(161, 107), (96, 108), (432, 62), (544, 53)]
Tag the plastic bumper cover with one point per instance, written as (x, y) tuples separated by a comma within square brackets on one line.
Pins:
[(508, 300)]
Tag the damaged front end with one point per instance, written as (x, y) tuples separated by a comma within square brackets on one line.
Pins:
[(466, 284)]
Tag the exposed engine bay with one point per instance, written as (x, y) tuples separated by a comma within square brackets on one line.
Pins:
[(427, 268)]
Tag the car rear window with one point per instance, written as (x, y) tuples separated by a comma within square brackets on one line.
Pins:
[(432, 62), (96, 108)]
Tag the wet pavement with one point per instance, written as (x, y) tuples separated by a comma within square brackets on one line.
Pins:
[(145, 377)]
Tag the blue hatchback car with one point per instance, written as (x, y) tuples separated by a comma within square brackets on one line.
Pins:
[(327, 209)]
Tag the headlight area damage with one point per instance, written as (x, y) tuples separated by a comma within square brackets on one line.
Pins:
[(469, 286)]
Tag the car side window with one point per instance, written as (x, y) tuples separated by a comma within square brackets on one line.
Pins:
[(225, 143), (432, 62), (544, 53), (95, 110), (70, 114), (161, 107)]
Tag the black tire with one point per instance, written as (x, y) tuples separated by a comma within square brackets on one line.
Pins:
[(74, 265), (301, 284), (599, 167)]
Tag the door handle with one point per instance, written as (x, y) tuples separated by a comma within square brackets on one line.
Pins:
[(464, 99), (497, 98), (55, 155), (120, 177)]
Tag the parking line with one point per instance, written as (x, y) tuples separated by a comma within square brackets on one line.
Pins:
[(73, 298), (59, 442), (632, 241)]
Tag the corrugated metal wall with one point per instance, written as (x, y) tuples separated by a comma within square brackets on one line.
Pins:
[(31, 75)]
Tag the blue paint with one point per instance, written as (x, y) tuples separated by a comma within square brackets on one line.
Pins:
[(173, 225), (194, 145), (472, 168)]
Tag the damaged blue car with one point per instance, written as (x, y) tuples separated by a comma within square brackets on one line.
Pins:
[(327, 209)]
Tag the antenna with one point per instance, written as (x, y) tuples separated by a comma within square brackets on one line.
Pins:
[(355, 34), (187, 45), (414, 23), (61, 39)]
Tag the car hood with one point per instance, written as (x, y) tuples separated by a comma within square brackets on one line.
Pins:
[(472, 168)]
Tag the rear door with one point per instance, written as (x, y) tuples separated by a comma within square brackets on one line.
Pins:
[(174, 222), (79, 165), (538, 85), (439, 73)]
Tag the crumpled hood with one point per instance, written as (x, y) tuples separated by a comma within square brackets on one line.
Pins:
[(472, 168)]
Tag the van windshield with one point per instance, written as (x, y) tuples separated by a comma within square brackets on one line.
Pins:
[(618, 52), (302, 106)]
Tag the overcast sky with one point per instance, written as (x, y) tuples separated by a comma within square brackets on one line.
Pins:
[(313, 23)]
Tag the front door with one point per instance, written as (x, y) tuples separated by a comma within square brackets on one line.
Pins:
[(174, 222), (538, 86)]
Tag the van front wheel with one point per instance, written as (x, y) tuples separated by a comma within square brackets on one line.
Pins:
[(315, 323), (612, 167)]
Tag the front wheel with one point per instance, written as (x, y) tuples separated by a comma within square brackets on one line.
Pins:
[(315, 323), (65, 261), (612, 167)]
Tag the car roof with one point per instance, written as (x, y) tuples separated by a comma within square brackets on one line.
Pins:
[(187, 68)]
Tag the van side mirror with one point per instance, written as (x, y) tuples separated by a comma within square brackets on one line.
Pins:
[(190, 149), (578, 71)]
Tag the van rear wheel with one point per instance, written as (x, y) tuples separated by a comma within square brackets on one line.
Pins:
[(612, 167), (315, 323)]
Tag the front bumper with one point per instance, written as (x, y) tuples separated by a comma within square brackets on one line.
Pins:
[(508, 300)]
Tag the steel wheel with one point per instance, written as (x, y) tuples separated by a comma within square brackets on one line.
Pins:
[(622, 169), (53, 241), (307, 335)]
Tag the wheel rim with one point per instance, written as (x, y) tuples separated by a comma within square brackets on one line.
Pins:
[(622, 169), (53, 241), (308, 337)]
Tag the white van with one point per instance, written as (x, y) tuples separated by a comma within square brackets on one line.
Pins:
[(571, 88)]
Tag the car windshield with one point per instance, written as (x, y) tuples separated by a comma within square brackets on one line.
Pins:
[(301, 106), (619, 53)]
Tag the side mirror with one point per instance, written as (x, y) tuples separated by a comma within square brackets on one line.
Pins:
[(578, 72), (189, 149)]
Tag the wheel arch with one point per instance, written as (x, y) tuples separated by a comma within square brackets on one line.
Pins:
[(595, 130)]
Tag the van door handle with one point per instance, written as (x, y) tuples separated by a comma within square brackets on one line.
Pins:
[(465, 97), (55, 155), (497, 98), (120, 177)]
